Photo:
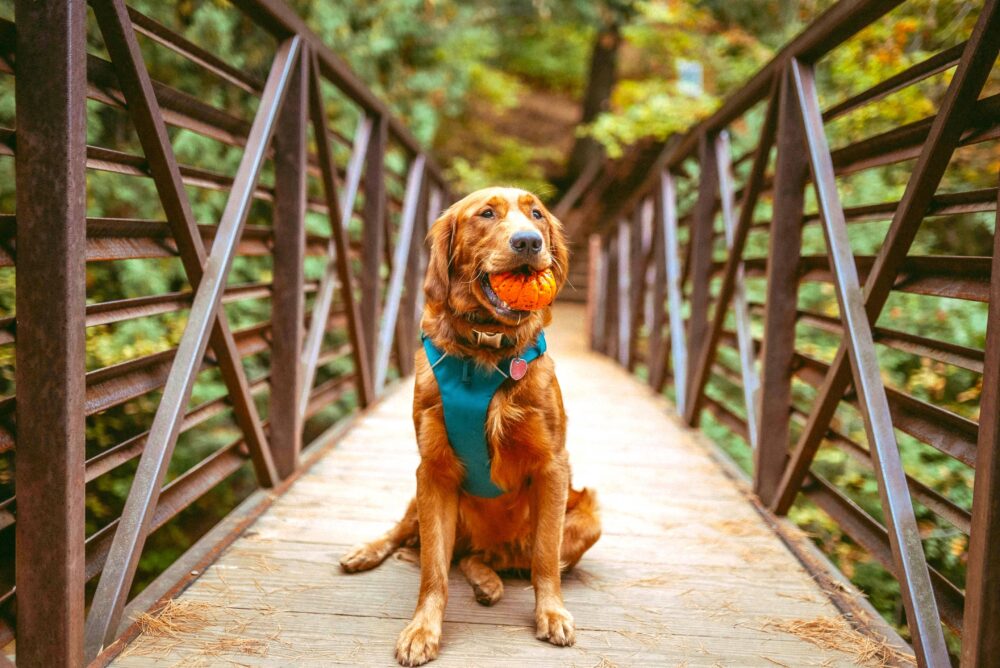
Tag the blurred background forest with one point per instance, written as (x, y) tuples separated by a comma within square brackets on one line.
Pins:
[(526, 92)]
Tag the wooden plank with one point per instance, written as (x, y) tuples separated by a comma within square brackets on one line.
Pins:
[(694, 575)]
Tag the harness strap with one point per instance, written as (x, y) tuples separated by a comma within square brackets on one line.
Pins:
[(466, 391)]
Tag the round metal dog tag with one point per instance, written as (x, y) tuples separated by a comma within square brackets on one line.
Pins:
[(518, 367)]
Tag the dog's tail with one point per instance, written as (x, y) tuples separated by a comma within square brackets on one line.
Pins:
[(583, 525), (585, 499)]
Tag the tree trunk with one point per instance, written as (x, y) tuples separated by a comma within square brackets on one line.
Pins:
[(603, 74)]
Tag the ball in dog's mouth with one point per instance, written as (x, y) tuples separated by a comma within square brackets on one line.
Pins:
[(501, 307)]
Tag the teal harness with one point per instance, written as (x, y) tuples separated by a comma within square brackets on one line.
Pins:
[(466, 391)]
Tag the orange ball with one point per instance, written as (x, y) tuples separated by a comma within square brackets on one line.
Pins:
[(525, 292)]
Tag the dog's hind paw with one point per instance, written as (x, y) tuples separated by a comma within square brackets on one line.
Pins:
[(417, 644), (363, 558), (555, 625), (488, 591)]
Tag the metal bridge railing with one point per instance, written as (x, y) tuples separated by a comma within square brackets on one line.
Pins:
[(670, 283), (325, 222)]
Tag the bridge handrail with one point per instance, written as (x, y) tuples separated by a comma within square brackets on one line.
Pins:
[(333, 314), (662, 301)]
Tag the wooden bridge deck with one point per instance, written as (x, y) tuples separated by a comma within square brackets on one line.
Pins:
[(687, 572)]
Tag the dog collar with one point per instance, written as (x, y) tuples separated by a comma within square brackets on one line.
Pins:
[(466, 390), (489, 339)]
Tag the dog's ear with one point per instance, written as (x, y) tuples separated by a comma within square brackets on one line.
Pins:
[(440, 238), (560, 251)]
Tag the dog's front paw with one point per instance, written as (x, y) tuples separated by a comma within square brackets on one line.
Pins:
[(555, 624), (417, 644), (363, 558)]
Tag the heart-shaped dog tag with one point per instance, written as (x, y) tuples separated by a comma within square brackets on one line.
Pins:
[(518, 367)]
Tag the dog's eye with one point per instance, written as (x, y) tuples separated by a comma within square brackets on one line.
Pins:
[(537, 214), (487, 213)]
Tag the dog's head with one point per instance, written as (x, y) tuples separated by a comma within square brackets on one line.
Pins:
[(491, 231)]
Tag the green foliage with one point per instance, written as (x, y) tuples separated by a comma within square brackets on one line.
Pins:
[(649, 108), (647, 102)]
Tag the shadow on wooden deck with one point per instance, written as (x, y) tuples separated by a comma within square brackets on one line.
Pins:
[(687, 572)]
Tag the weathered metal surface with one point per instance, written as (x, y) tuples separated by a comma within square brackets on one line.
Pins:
[(977, 60), (748, 360), (981, 644), (702, 225), (394, 293), (623, 334), (373, 236), (678, 346), (961, 120), (288, 300), (116, 580), (50, 298), (123, 47), (909, 562), (123, 83), (736, 236), (338, 263), (784, 248)]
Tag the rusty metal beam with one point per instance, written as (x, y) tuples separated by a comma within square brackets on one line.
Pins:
[(700, 245), (944, 135), (909, 562), (394, 294), (980, 640), (50, 88), (338, 260), (112, 590), (120, 40), (785, 245), (288, 300)]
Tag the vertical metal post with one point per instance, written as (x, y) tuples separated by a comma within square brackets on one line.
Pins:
[(434, 206), (702, 237), (637, 283), (675, 296), (782, 294), (657, 354), (373, 236), (595, 292), (980, 640), (624, 332), (748, 358), (287, 299), (413, 278), (649, 273), (611, 300), (51, 93), (414, 185)]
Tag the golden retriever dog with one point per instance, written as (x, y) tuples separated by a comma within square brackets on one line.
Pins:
[(535, 521)]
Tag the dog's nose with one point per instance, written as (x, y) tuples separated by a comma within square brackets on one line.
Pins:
[(527, 242)]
